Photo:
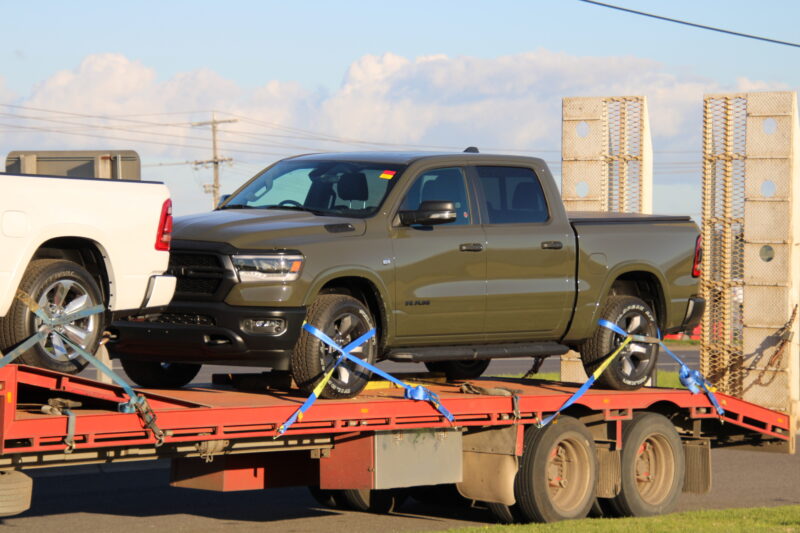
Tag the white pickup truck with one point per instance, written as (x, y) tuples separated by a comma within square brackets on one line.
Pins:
[(72, 243)]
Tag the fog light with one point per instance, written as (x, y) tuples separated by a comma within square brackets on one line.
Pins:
[(264, 326)]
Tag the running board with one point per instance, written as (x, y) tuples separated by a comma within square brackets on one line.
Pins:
[(476, 351)]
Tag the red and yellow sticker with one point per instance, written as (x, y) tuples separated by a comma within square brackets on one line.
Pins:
[(387, 174)]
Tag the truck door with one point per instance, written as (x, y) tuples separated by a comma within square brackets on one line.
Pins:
[(530, 256), (440, 270)]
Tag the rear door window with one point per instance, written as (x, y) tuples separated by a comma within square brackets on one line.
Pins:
[(512, 195)]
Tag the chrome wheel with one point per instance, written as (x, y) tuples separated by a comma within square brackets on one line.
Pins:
[(635, 359), (61, 298), (344, 329)]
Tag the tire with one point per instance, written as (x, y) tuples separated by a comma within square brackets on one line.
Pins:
[(324, 497), (59, 287), (632, 368), (557, 474), (343, 319), (374, 501), (16, 489), (461, 369), (653, 465), (158, 375), (504, 514)]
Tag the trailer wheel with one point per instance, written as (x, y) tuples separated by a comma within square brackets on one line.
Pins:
[(15, 492), (343, 319), (328, 498), (652, 467), (374, 501), (59, 287), (634, 365), (461, 369), (557, 474), (157, 375)]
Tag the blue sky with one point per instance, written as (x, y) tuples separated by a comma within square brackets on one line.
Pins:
[(395, 72)]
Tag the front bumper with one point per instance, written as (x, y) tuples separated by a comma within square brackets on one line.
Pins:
[(207, 333), (694, 313), (160, 290)]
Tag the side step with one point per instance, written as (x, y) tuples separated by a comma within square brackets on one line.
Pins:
[(476, 351)]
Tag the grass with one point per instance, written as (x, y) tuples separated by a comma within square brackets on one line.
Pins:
[(776, 519), (686, 342), (664, 379)]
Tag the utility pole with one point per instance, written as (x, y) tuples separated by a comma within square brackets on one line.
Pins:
[(215, 159)]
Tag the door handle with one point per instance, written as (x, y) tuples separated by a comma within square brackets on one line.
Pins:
[(552, 245), (471, 247)]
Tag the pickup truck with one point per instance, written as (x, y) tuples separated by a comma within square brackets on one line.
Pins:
[(71, 244), (455, 259)]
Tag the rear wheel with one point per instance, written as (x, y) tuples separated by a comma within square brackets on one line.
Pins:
[(461, 369), (635, 364), (652, 468), (343, 319), (59, 288), (556, 477), (374, 501), (16, 489), (157, 375)]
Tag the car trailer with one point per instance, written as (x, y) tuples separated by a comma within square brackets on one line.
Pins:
[(628, 452)]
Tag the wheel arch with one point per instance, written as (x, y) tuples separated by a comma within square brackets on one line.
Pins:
[(85, 252), (648, 285), (364, 287)]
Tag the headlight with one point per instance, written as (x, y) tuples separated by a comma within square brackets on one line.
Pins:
[(268, 267)]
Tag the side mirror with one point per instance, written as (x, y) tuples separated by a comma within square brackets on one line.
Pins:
[(429, 213), (222, 200)]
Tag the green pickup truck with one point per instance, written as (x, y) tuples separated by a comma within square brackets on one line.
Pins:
[(454, 258)]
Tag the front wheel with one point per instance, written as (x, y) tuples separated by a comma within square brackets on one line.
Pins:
[(158, 375), (635, 364), (60, 288), (343, 319)]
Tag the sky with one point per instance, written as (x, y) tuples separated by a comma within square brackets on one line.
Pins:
[(355, 75)]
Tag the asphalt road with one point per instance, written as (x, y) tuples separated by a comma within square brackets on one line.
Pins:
[(129, 497)]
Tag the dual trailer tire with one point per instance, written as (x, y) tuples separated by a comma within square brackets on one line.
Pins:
[(653, 468), (367, 501), (558, 471)]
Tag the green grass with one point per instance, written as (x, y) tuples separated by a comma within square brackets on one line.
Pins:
[(777, 519), (687, 342)]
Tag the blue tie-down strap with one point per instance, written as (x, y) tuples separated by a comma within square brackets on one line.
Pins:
[(135, 404), (691, 379), (418, 393)]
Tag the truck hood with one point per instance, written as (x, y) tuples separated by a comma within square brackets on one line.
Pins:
[(257, 229)]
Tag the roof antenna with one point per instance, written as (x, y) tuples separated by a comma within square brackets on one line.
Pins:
[(471, 150)]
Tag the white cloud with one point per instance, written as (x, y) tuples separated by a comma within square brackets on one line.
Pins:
[(511, 102)]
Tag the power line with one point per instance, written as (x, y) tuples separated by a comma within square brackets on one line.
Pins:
[(215, 159), (692, 24)]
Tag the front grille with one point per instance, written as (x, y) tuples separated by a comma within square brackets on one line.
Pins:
[(182, 319), (198, 274)]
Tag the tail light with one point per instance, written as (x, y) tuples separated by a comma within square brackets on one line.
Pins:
[(698, 257), (164, 235)]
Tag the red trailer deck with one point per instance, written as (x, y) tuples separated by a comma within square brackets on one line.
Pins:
[(347, 444)]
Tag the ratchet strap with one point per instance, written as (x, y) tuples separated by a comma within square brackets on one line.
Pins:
[(691, 379), (589, 382), (418, 393), (136, 402)]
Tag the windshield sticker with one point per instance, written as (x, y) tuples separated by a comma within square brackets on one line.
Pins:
[(387, 174)]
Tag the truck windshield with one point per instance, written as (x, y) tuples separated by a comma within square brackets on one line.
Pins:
[(322, 187)]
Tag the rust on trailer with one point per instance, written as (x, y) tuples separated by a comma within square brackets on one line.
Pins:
[(203, 413)]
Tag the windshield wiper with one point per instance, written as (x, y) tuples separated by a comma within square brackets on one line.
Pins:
[(236, 206), (295, 208)]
